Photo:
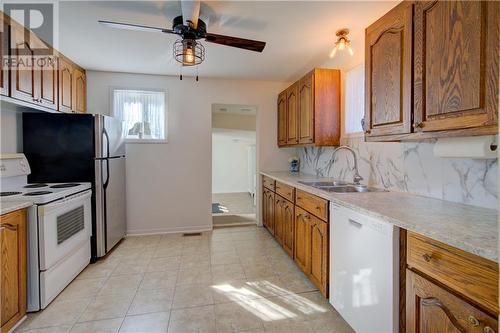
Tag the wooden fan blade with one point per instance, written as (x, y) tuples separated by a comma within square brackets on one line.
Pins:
[(242, 43), (190, 12), (136, 27)]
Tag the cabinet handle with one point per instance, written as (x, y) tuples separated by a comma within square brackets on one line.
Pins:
[(418, 125), (473, 321), (488, 329), (299, 198), (318, 207), (427, 257), (368, 131), (8, 226)]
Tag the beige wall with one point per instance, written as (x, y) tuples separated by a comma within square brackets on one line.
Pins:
[(234, 121), (169, 185)]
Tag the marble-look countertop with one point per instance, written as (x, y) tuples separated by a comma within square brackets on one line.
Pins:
[(472, 229), (10, 206)]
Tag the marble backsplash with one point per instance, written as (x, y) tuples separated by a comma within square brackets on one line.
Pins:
[(408, 167)]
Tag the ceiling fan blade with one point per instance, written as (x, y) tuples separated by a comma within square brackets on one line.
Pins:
[(136, 27), (242, 43), (190, 12)]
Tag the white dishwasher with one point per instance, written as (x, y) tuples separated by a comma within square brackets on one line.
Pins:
[(364, 270)]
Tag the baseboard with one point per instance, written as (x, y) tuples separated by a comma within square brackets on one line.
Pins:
[(172, 230)]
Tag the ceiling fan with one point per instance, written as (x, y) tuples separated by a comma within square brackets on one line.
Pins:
[(188, 50)]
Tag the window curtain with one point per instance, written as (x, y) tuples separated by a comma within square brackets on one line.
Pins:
[(141, 108), (354, 99)]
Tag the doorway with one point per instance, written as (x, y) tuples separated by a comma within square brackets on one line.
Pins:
[(234, 177)]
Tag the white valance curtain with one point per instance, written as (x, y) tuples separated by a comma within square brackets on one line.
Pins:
[(144, 109)]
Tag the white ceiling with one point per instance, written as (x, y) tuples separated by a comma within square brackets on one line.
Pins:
[(299, 35)]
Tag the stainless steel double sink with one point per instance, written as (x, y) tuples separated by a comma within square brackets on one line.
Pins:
[(340, 186)]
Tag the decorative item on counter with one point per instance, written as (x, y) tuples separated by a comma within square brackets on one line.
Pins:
[(294, 163)]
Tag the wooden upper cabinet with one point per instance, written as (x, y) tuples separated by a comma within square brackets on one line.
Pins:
[(388, 73), (306, 109), (292, 115), (4, 52), (79, 90), (282, 119), (65, 85), (13, 269), (46, 82), (22, 77), (456, 64), (430, 308), (311, 112)]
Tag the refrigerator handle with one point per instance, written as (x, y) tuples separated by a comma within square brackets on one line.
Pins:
[(105, 134), (106, 182)]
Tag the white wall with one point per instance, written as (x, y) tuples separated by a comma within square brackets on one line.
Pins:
[(229, 164), (169, 185), (10, 128)]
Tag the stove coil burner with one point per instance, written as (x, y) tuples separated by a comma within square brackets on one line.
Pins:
[(65, 185), (7, 194), (34, 193), (35, 185)]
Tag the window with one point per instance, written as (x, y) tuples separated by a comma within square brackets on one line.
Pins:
[(354, 99), (143, 112)]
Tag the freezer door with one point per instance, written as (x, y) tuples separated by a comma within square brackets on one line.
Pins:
[(109, 137), (114, 201)]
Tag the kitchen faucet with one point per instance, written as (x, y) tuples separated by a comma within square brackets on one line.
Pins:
[(357, 177)]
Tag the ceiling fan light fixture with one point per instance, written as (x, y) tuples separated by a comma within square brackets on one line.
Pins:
[(342, 43), (189, 52)]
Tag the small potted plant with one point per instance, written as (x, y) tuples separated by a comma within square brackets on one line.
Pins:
[(294, 164)]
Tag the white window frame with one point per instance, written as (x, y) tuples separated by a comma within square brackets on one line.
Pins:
[(112, 112), (351, 135)]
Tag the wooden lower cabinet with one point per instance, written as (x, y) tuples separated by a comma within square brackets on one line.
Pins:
[(302, 250), (311, 248), (12, 269), (268, 209), (319, 254), (430, 308)]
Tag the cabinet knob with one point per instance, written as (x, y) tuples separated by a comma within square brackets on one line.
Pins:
[(427, 257), (418, 125), (474, 321), (318, 207), (368, 131), (488, 329)]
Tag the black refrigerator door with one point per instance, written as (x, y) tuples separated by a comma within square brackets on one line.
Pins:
[(59, 147)]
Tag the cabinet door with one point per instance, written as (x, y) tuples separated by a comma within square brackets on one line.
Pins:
[(292, 115), (282, 124), (302, 251), (79, 90), (65, 85), (4, 52), (12, 268), (288, 227), (319, 254), (306, 109), (456, 64), (388, 73), (279, 207), (46, 82), (430, 308), (22, 73)]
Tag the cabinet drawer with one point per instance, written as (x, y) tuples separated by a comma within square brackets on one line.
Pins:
[(474, 277), (313, 204), (268, 182), (286, 191)]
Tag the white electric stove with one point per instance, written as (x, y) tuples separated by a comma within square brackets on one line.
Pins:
[(59, 228)]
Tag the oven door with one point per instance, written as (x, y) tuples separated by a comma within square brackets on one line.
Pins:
[(63, 226)]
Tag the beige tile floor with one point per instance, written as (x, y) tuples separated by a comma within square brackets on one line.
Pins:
[(235, 203), (229, 280)]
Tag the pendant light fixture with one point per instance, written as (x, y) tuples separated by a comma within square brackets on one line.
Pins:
[(342, 43)]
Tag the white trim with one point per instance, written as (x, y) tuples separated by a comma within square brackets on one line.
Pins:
[(172, 230), (167, 108)]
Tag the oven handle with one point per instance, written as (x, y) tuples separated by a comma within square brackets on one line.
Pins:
[(72, 198)]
